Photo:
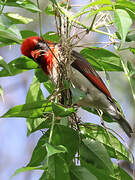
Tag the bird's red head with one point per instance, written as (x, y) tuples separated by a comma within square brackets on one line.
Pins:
[(29, 45), (37, 49)]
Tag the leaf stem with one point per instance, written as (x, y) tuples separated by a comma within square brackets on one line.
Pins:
[(52, 127), (3, 6), (40, 19), (95, 30), (124, 49), (0, 5), (103, 32), (128, 77), (92, 24)]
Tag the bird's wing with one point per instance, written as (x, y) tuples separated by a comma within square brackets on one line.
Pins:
[(84, 67)]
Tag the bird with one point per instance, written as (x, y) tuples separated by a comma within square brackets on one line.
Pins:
[(83, 77)]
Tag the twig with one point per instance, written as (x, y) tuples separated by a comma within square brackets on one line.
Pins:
[(52, 127), (128, 77), (92, 24), (40, 20), (86, 44)]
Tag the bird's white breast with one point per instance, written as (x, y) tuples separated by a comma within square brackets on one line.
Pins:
[(95, 98)]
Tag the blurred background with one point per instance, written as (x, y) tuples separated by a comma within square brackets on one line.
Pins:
[(15, 147)]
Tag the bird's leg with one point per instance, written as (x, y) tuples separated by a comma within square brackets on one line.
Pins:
[(100, 113)]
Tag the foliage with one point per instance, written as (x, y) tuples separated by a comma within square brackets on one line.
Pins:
[(67, 151)]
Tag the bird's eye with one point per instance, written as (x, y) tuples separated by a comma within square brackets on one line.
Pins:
[(41, 45), (38, 46)]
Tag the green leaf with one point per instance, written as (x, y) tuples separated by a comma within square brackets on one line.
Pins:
[(77, 95), (17, 19), (8, 34), (102, 59), (51, 150), (38, 124), (93, 12), (123, 22), (13, 2), (66, 137), (34, 95), (57, 168), (51, 36), (131, 72), (4, 65), (66, 84), (81, 173), (99, 173), (61, 111), (98, 2), (64, 121), (102, 175), (18, 65), (15, 30), (113, 146), (127, 5), (25, 169), (106, 8), (5, 42), (43, 177), (130, 37), (132, 50), (41, 76), (61, 138), (8, 30), (39, 154), (49, 86), (29, 110), (27, 33), (49, 10), (2, 94), (94, 152), (29, 5)]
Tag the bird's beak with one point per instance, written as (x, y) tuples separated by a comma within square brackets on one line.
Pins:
[(35, 54)]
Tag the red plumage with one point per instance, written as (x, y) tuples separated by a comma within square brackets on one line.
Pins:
[(43, 54), (29, 44)]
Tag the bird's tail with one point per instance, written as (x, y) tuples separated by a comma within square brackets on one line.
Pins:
[(116, 113), (124, 124)]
